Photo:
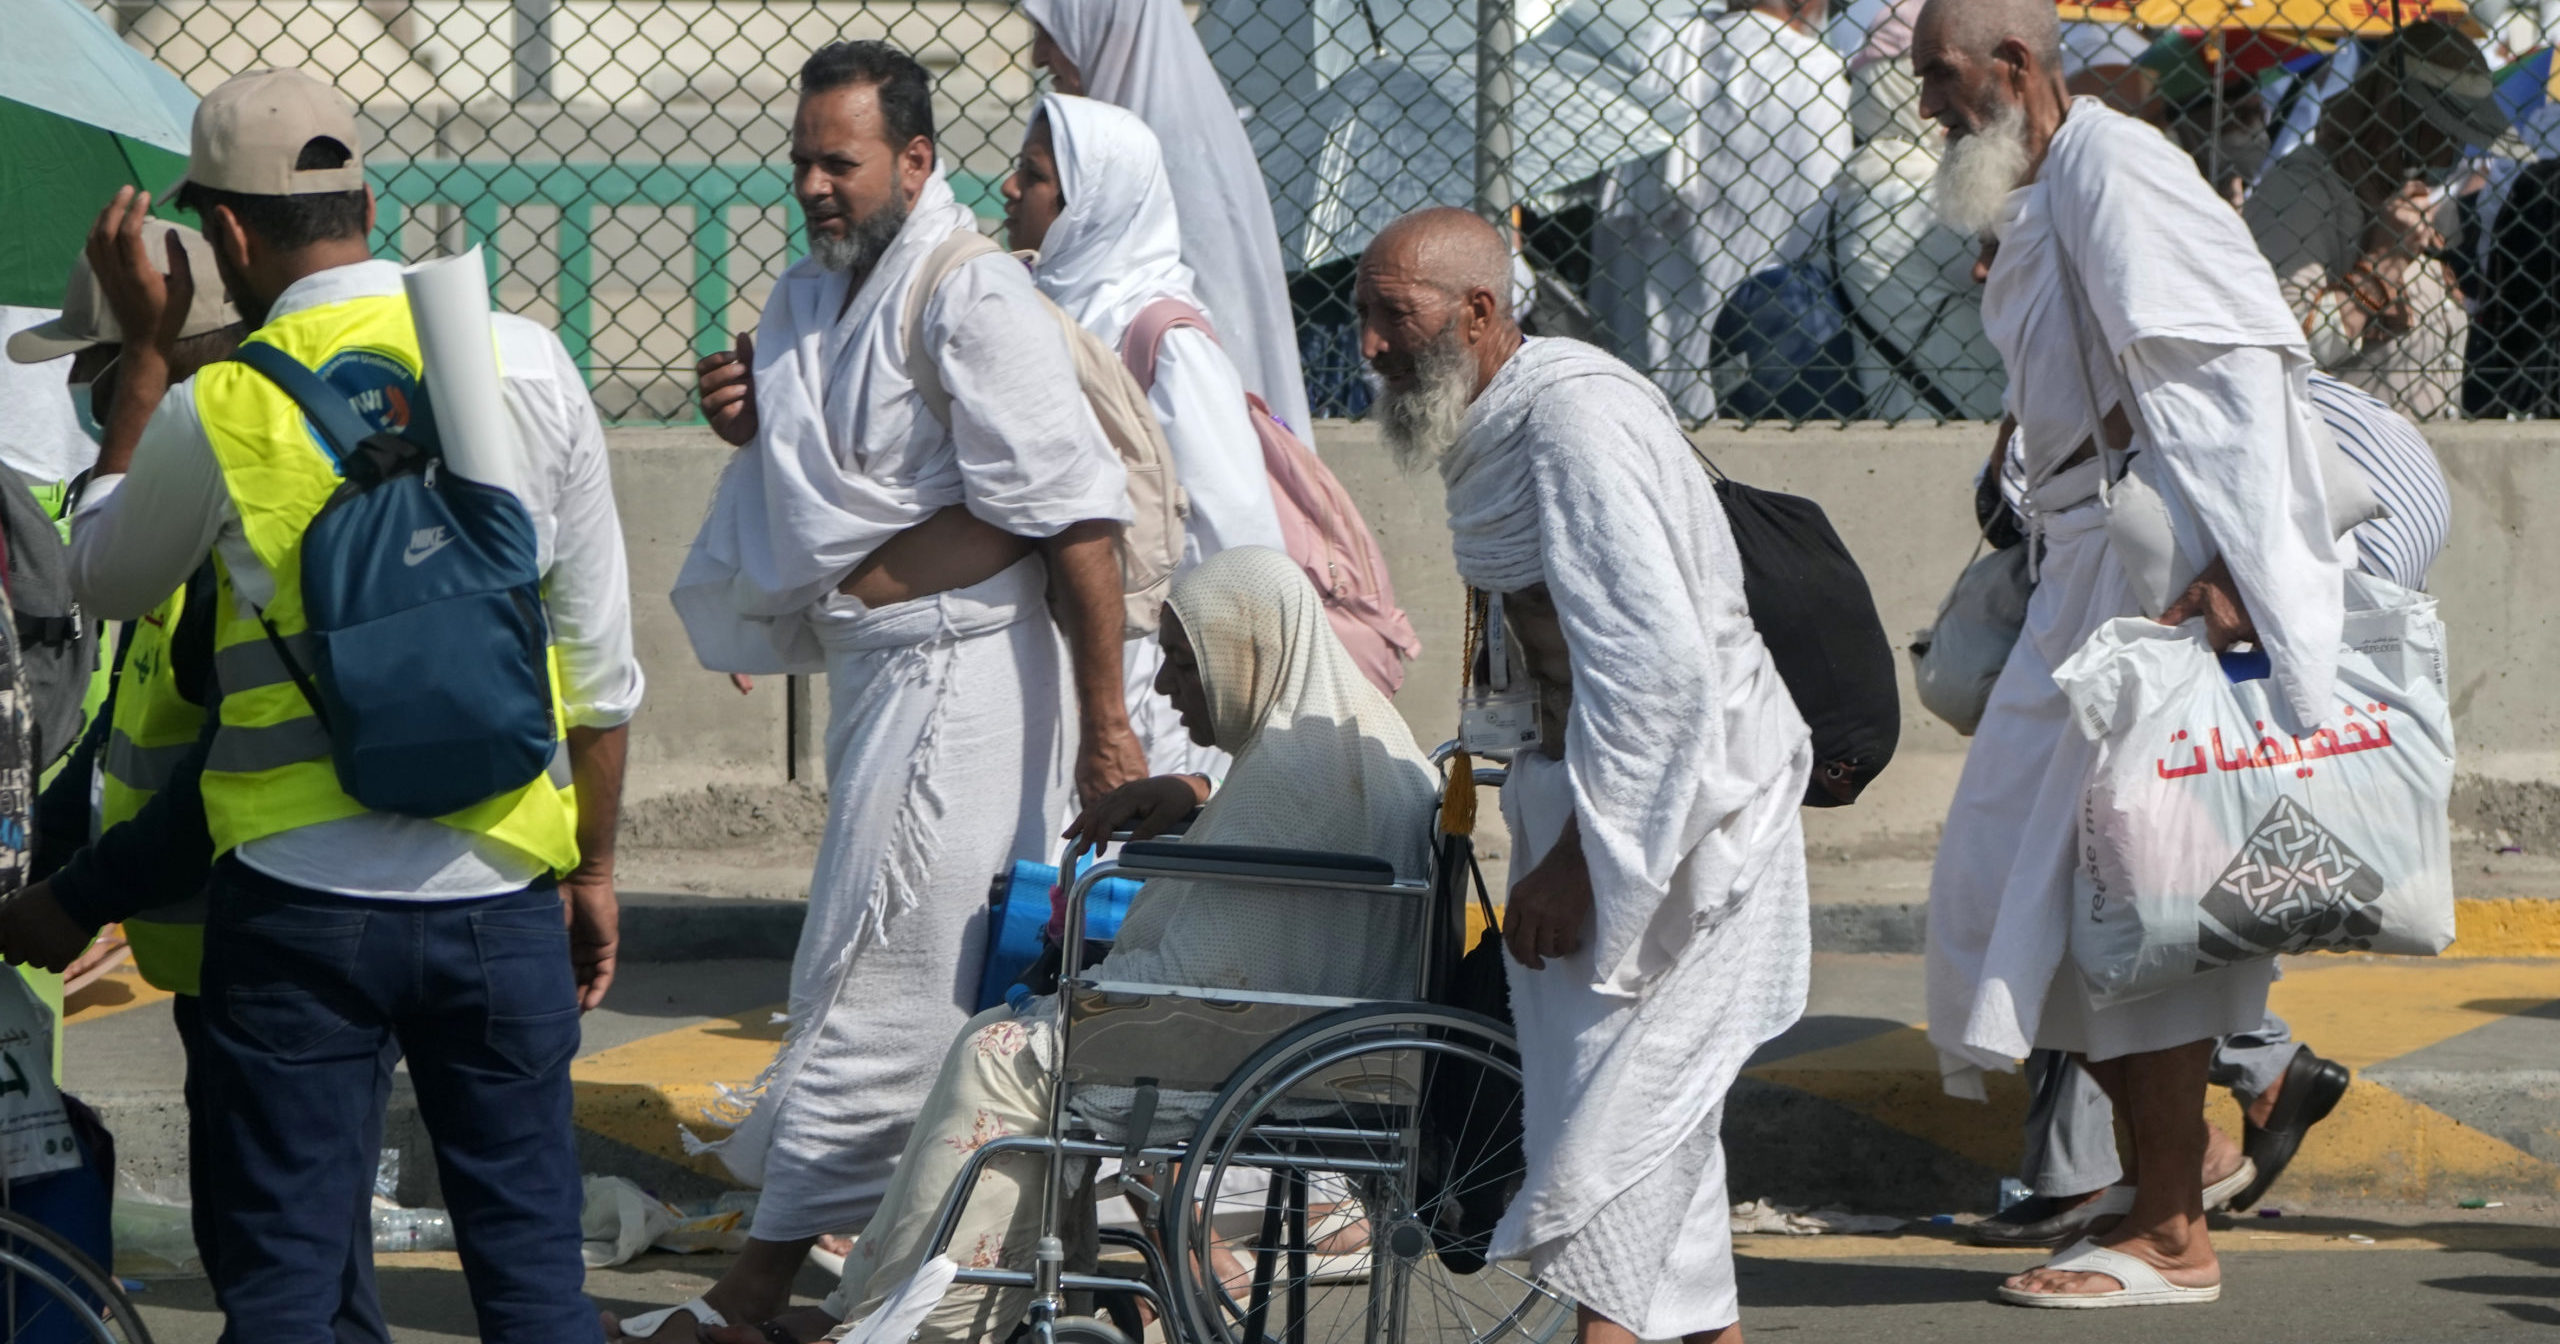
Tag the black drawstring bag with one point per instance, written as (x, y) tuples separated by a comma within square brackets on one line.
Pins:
[(1814, 612), (1471, 1142)]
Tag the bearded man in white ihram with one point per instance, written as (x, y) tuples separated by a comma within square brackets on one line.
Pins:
[(1657, 923), (2135, 316)]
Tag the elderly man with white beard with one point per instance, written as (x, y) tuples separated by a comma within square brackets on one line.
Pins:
[(1658, 925), (2135, 316)]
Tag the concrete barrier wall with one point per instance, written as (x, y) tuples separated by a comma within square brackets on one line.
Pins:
[(1900, 497)]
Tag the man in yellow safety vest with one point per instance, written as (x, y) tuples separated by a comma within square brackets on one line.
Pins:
[(334, 930)]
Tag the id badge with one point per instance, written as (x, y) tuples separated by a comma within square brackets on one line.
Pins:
[(1498, 723), (1498, 714)]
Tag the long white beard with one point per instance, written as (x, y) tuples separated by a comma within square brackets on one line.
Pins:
[(1421, 423), (1978, 171)]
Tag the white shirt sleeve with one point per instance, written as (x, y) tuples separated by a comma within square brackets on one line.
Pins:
[(138, 536), (1033, 460), (1199, 398), (2242, 453), (586, 579)]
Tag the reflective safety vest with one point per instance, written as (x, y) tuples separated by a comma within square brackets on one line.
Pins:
[(269, 768), (153, 727)]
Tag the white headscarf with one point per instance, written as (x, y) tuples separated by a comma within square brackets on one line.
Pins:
[(1144, 56), (1117, 246), (1323, 762)]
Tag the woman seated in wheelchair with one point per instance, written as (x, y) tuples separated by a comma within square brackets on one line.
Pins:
[(1322, 762)]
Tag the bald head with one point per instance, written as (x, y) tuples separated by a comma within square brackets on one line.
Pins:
[(1990, 73), (1976, 28), (1446, 246), (1433, 296)]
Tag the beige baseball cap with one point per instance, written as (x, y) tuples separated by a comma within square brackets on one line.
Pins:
[(250, 131), (86, 320)]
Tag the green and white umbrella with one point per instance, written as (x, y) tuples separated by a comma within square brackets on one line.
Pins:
[(82, 114)]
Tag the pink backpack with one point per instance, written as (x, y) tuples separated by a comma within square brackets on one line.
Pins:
[(1324, 530)]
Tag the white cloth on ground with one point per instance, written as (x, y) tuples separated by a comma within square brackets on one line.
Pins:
[(847, 454), (2121, 281), (1758, 114), (40, 433), (1143, 55), (139, 535), (1683, 761), (1322, 762), (946, 761)]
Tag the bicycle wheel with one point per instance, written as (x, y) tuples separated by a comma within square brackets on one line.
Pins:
[(1361, 1227), (69, 1299)]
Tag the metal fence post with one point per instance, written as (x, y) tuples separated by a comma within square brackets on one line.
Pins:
[(1493, 109), (534, 53)]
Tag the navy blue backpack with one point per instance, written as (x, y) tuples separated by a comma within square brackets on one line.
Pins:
[(423, 591), (1789, 328)]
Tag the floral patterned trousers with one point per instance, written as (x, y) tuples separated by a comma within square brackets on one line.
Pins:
[(994, 1082)]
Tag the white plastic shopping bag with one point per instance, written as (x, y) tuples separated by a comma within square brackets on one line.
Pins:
[(2211, 834), (35, 1130)]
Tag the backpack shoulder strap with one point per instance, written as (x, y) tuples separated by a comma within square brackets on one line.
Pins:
[(1138, 345), (340, 429), (962, 247)]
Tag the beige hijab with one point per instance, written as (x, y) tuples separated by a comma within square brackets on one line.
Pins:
[(1322, 762)]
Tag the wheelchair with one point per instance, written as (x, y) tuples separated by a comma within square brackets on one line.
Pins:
[(1342, 1180)]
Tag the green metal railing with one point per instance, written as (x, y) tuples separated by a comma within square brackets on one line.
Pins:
[(480, 192)]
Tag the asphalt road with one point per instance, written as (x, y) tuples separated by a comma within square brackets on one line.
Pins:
[(2475, 1280)]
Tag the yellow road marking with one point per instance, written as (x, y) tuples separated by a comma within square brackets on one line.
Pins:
[(2246, 1234), (638, 1093), (2362, 1011), (118, 991)]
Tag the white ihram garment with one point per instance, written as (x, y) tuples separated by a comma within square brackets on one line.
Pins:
[(2121, 281), (1114, 249), (1143, 55), (1758, 114), (1684, 760), (946, 736)]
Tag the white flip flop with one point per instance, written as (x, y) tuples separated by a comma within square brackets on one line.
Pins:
[(2143, 1285), (651, 1322), (2219, 1195)]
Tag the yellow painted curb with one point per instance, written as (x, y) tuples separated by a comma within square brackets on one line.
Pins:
[(2516, 927)]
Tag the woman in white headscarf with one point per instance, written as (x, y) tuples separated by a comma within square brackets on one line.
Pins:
[(1322, 762), (1144, 56), (1090, 195)]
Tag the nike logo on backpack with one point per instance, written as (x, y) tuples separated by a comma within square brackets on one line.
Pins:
[(424, 542)]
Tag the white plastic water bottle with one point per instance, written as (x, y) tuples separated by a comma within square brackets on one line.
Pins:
[(412, 1230)]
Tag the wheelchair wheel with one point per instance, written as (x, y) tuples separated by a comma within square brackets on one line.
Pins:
[(50, 1291), (1087, 1330), (1324, 1199)]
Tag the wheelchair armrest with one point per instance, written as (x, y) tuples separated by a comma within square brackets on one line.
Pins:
[(1256, 861)]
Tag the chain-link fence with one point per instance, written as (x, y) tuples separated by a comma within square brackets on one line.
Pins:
[(1739, 202)]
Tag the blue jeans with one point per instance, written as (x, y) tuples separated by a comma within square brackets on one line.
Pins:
[(359, 1319), (303, 991)]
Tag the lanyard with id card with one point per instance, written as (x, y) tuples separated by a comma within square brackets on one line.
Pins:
[(1497, 703)]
